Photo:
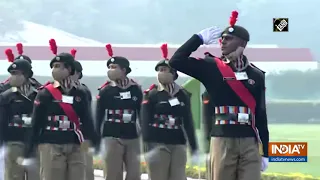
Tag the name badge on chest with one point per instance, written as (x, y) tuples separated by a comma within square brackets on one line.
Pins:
[(241, 76), (67, 99), (174, 102), (243, 118), (125, 95)]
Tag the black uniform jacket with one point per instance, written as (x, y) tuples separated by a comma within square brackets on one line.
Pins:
[(117, 110), (165, 122), (207, 117), (46, 118), (15, 114), (207, 72)]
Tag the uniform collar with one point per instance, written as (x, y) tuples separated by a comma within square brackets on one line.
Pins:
[(239, 65), (172, 88)]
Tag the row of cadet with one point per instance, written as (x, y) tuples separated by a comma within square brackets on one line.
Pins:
[(50, 132)]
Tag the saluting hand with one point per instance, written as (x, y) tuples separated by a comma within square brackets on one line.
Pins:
[(210, 35)]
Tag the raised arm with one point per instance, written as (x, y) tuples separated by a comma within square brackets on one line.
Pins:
[(193, 67)]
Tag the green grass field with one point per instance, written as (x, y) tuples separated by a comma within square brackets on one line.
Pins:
[(297, 133)]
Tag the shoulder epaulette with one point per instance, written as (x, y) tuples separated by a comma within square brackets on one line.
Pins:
[(257, 68), (150, 88), (43, 86), (104, 85)]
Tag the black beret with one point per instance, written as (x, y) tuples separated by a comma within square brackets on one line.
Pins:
[(24, 57), (237, 31), (21, 65), (66, 58), (121, 61), (166, 63), (78, 68)]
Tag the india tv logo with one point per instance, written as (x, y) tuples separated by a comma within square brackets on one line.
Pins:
[(288, 152)]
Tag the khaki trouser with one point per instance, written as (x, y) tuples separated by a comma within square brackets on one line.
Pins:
[(14, 171), (89, 167), (121, 152), (62, 162), (167, 162), (235, 159)]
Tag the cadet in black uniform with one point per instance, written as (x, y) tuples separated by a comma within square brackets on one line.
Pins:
[(118, 106), (25, 57), (76, 77), (166, 118), (59, 108), (207, 118), (10, 56), (237, 91), (15, 121)]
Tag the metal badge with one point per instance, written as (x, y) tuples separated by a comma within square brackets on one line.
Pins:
[(112, 59), (64, 124), (231, 29), (58, 58), (14, 65), (21, 57), (243, 117), (127, 117), (172, 120), (26, 120)]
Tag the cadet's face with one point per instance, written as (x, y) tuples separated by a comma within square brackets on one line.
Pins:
[(115, 72), (17, 78), (163, 69), (59, 71), (16, 72), (164, 75), (230, 43)]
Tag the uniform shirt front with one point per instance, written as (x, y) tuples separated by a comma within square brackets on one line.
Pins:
[(117, 111), (48, 113), (167, 119), (16, 111)]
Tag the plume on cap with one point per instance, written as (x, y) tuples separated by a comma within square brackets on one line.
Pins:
[(53, 46), (233, 18), (19, 48), (164, 49), (73, 52), (109, 50), (9, 55)]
